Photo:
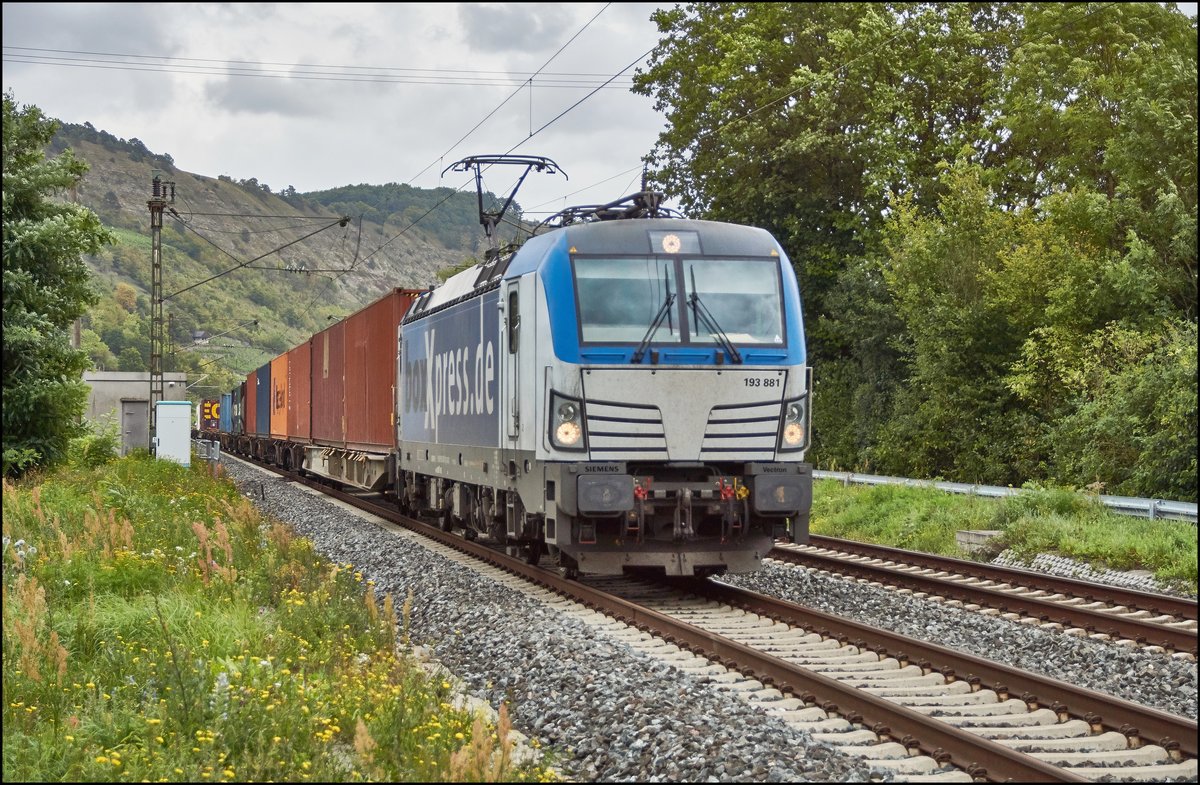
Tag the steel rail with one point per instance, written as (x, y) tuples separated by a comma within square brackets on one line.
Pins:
[(1131, 598), (1006, 602), (1168, 730)]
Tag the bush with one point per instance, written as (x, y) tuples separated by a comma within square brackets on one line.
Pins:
[(96, 448), (156, 627)]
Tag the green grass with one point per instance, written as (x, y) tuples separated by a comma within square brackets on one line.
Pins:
[(157, 627), (1038, 521)]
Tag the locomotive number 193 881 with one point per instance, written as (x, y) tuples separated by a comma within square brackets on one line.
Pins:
[(768, 381)]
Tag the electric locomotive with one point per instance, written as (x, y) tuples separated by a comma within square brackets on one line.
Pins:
[(627, 390)]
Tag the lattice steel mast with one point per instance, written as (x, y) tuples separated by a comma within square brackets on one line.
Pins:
[(158, 202)]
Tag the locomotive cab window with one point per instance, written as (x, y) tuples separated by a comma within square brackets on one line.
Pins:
[(691, 300), (620, 298), (742, 296)]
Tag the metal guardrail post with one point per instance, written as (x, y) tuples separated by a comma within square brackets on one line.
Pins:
[(209, 451)]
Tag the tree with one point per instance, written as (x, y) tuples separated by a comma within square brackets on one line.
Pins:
[(1134, 432), (131, 360), (126, 297), (46, 287), (1103, 98), (102, 359), (955, 415), (991, 209)]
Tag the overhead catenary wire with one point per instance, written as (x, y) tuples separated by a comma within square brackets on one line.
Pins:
[(521, 74), (340, 222), (334, 279), (236, 67), (518, 144), (561, 114), (300, 218), (301, 71)]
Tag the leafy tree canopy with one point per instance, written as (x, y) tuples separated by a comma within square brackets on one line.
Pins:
[(46, 287), (991, 208)]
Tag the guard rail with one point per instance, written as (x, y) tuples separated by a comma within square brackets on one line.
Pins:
[(1123, 505), (208, 450)]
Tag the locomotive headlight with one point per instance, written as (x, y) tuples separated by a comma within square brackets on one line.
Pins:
[(566, 423), (567, 434), (793, 427)]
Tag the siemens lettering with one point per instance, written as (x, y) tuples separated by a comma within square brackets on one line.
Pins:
[(449, 376)]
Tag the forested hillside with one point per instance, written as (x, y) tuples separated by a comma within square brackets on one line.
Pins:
[(452, 221), (396, 236), (992, 211)]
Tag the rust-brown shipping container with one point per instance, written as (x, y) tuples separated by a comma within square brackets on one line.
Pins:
[(279, 397), (328, 386), (353, 376), (250, 407), (370, 390), (299, 428)]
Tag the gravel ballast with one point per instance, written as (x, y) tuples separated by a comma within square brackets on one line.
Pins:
[(609, 712)]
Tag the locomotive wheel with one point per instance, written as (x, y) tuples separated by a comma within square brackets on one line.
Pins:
[(566, 566), (532, 552), (470, 534)]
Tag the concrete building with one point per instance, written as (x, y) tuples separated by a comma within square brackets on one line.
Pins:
[(124, 397)]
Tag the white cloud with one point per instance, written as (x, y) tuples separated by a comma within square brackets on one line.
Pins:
[(377, 92), (513, 27)]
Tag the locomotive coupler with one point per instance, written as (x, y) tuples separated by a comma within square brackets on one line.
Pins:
[(683, 515), (731, 522), (637, 527), (734, 515)]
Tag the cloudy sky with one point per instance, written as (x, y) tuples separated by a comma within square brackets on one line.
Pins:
[(321, 95)]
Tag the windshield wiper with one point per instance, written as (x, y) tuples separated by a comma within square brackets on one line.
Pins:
[(663, 311), (702, 314)]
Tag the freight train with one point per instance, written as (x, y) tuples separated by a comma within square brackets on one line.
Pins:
[(624, 391)]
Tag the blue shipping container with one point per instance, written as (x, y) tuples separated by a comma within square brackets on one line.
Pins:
[(262, 405), (226, 423)]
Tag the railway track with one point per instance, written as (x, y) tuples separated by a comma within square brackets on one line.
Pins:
[(1123, 616), (915, 709), (1081, 733)]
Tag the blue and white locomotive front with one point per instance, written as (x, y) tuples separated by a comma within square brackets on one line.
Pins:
[(637, 397)]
